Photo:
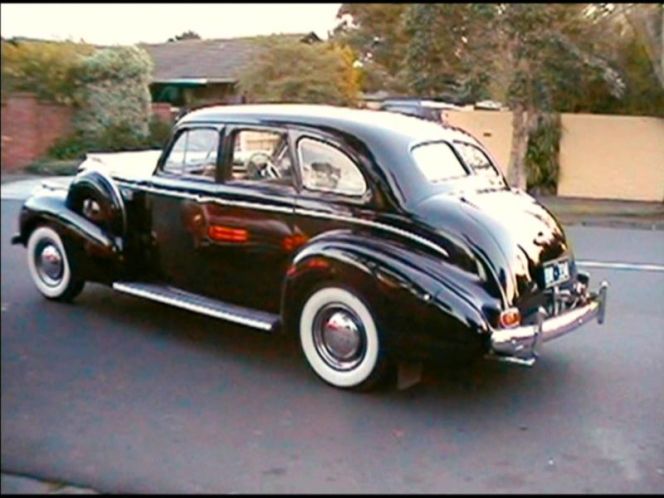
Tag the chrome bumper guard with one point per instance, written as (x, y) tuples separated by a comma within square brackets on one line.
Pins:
[(522, 344)]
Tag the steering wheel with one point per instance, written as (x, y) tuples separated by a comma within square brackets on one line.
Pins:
[(260, 165)]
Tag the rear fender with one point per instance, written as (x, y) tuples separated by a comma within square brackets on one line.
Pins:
[(413, 304)]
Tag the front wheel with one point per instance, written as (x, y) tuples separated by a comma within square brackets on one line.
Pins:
[(49, 265), (340, 340)]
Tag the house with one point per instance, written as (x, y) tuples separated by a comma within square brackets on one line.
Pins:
[(201, 72)]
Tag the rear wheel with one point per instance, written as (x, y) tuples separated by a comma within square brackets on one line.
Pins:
[(340, 340), (49, 266)]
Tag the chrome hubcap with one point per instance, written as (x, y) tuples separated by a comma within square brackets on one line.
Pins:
[(339, 337), (49, 263)]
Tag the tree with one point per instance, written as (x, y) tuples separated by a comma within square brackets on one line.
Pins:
[(287, 70), (541, 47), (544, 46), (43, 68), (446, 54), (647, 21), (113, 95), (376, 35), (185, 35)]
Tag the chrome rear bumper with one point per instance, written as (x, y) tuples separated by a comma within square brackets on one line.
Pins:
[(521, 344)]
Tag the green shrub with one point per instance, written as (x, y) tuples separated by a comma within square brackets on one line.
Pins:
[(287, 70), (160, 132), (42, 67), (53, 167), (69, 147), (119, 137), (542, 156), (113, 98)]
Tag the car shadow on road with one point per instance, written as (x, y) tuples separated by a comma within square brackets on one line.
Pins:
[(281, 357)]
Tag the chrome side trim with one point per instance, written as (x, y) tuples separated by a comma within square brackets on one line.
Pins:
[(197, 308), (512, 359), (305, 212), (375, 224), (204, 198), (48, 185)]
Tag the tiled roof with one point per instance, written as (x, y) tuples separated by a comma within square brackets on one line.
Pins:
[(221, 59)]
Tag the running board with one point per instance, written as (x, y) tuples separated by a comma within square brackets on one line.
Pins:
[(261, 320)]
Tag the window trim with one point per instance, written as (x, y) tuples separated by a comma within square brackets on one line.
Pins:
[(161, 172), (300, 163)]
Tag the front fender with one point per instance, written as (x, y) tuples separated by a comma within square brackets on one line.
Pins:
[(104, 188), (87, 242), (421, 302)]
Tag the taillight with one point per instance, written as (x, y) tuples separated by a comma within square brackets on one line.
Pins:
[(510, 318), (227, 234)]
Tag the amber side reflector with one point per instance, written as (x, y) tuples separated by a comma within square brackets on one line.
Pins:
[(227, 234), (291, 242), (317, 263), (510, 318), (310, 264)]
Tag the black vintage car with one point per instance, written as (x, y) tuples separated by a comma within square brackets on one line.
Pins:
[(379, 239)]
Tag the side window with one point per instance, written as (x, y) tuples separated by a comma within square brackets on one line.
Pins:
[(194, 153), (261, 155), (328, 169), (476, 159)]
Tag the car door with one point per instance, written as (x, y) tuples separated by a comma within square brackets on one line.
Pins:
[(185, 181), (250, 227), (227, 237), (335, 193)]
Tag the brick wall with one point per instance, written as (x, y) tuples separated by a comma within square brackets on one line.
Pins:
[(163, 111), (30, 127)]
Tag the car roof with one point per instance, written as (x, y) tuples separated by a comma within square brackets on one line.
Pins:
[(388, 136), (364, 123)]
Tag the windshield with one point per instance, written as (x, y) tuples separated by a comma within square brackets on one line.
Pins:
[(438, 162)]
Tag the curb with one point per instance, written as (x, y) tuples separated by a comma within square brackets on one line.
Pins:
[(615, 223)]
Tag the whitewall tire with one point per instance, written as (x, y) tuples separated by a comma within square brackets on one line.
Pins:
[(49, 265), (339, 339)]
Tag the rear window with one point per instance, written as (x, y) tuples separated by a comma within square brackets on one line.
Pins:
[(438, 162), (476, 159)]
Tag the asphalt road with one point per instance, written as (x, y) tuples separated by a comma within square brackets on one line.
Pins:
[(119, 394)]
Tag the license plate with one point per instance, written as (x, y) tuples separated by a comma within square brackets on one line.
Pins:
[(556, 273)]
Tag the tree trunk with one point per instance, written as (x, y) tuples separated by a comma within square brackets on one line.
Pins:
[(517, 167), (524, 121)]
